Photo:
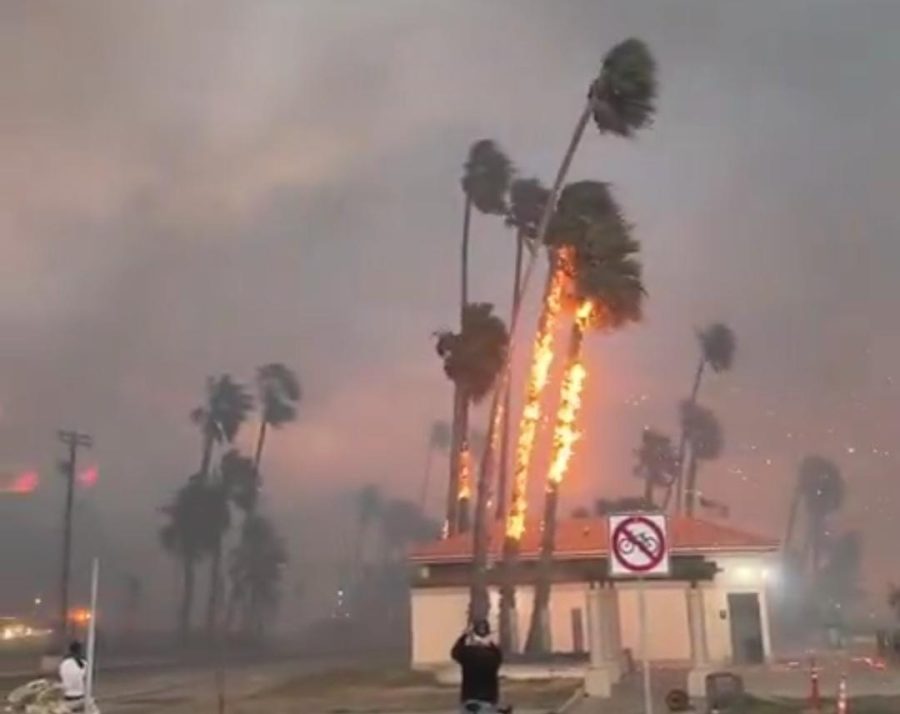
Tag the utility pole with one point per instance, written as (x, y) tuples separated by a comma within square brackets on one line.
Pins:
[(73, 440)]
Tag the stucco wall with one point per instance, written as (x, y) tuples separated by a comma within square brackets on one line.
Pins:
[(668, 637)]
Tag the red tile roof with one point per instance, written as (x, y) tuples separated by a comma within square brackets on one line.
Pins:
[(589, 537)]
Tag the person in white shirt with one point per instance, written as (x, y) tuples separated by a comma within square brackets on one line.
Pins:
[(72, 675)]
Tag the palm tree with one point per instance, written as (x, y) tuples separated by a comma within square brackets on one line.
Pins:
[(527, 199), (820, 488), (485, 182), (704, 439), (717, 348), (473, 359), (279, 393), (657, 464), (227, 405), (607, 288), (194, 519), (256, 569), (438, 441)]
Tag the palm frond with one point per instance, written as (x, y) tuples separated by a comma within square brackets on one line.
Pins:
[(623, 96)]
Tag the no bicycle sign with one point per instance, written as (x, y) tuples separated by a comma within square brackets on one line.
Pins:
[(638, 546)]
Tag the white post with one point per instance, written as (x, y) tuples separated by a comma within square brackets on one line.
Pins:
[(645, 646), (92, 639)]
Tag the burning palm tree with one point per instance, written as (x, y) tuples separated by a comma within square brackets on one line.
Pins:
[(473, 359), (606, 293), (485, 183)]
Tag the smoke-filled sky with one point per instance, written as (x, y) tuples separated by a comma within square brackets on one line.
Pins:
[(201, 187)]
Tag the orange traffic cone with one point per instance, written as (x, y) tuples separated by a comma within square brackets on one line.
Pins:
[(815, 700), (842, 696)]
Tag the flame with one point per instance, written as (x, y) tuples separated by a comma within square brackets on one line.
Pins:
[(465, 475), (22, 484), (566, 433), (539, 375)]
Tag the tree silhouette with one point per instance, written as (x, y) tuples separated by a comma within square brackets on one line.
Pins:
[(194, 518), (279, 393), (256, 568), (717, 347), (704, 438), (820, 489), (656, 462)]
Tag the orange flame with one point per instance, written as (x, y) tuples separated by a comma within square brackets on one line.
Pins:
[(538, 377), (465, 475), (566, 433)]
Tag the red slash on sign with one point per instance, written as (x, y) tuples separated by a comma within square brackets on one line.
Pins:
[(638, 545)]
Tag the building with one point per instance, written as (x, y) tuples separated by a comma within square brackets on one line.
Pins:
[(711, 610)]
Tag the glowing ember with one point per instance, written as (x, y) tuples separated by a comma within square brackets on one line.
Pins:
[(539, 375), (22, 484), (566, 434)]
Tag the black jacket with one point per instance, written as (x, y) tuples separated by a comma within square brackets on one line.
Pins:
[(480, 670)]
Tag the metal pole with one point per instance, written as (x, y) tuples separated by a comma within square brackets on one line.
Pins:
[(645, 648), (92, 638)]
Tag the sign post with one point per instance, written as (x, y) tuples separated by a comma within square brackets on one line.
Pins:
[(92, 640), (639, 549)]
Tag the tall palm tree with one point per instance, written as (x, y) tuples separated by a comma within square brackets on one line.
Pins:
[(279, 393), (239, 480), (473, 359), (820, 489), (225, 408), (656, 463), (704, 440), (527, 199), (717, 347), (438, 442), (227, 405), (193, 518), (606, 293), (485, 182), (256, 569)]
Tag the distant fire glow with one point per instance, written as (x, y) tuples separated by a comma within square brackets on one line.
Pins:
[(88, 477), (538, 377), (20, 484)]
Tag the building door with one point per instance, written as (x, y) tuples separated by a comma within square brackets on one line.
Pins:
[(746, 628)]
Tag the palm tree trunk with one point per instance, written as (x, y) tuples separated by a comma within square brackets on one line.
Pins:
[(479, 600), (503, 472), (508, 571), (539, 639), (456, 440), (677, 485), (464, 490), (206, 458), (187, 599), (215, 577), (690, 496), (260, 442)]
